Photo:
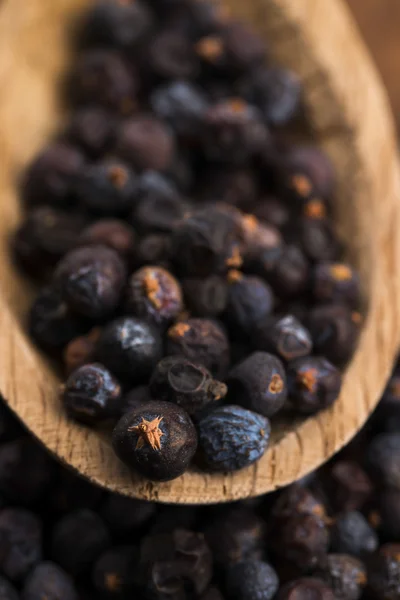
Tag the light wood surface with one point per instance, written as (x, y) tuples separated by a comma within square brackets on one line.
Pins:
[(348, 112)]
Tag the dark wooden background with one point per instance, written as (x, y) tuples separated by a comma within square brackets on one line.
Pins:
[(379, 21)]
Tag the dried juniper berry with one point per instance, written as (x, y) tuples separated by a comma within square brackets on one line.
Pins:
[(313, 383), (336, 283), (175, 565), (276, 92), (352, 534), (158, 440), (91, 280), (296, 499), (49, 581), (170, 55), (156, 213), (284, 336), (25, 472), (345, 574), (307, 172), (384, 573), (153, 249), (51, 177), (205, 297), (78, 539), (80, 351), (201, 341), (233, 132), (146, 142), (22, 534), (305, 589), (250, 300), (383, 459), (272, 210), (101, 76), (114, 574), (107, 188), (153, 294), (126, 516), (315, 236), (232, 437), (285, 268), (243, 48), (92, 128), (202, 243), (113, 233), (251, 580), (300, 539), (51, 323), (258, 383), (334, 330), (258, 236), (235, 186), (130, 348), (236, 536), (118, 24), (176, 379), (182, 105), (7, 591), (44, 237), (91, 394), (348, 485)]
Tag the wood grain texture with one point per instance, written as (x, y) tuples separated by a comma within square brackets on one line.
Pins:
[(348, 112)]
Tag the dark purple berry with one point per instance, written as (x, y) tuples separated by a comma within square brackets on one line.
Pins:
[(80, 351), (250, 300), (175, 562), (383, 459), (306, 588), (153, 294), (137, 396), (334, 330), (115, 234), (348, 485), (170, 55), (205, 297), (157, 213), (92, 129), (118, 24), (107, 188), (52, 175), (22, 533), (284, 336), (201, 341), (44, 237), (114, 572), (158, 440), (314, 384), (187, 384), (232, 437), (146, 143), (103, 77), (233, 132), (51, 323), (182, 105), (78, 539), (91, 280), (384, 573), (258, 383), (91, 394), (236, 535), (285, 268), (345, 574), (251, 580), (336, 283), (308, 172), (276, 92), (352, 534), (130, 348), (47, 581), (237, 187), (153, 249)]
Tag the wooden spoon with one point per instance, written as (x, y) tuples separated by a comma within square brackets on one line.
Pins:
[(348, 113)]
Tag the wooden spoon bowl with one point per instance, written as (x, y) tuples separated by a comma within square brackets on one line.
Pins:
[(348, 113)]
